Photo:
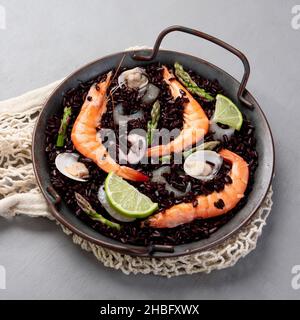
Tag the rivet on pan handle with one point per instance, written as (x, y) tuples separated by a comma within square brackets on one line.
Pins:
[(206, 36), (55, 196)]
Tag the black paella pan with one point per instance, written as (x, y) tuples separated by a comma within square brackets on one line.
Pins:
[(235, 89)]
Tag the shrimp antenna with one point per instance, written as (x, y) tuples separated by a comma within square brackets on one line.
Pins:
[(112, 91), (119, 66)]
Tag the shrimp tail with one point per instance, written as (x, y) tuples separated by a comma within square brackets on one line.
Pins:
[(131, 174)]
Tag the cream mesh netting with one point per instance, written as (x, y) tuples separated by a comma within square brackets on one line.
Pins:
[(19, 195)]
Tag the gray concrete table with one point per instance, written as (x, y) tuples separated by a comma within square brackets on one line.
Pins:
[(46, 40)]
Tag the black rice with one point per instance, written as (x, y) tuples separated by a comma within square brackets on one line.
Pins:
[(242, 142)]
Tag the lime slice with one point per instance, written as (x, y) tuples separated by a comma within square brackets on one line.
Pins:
[(126, 199), (227, 112)]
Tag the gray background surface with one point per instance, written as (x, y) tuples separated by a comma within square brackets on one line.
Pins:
[(46, 40)]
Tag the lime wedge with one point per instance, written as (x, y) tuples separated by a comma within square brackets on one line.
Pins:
[(126, 199), (227, 112)]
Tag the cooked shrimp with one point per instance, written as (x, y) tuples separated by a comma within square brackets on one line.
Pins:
[(195, 121), (206, 208), (84, 133)]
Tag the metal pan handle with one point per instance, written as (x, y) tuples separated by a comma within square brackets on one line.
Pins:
[(56, 199), (152, 249), (217, 41)]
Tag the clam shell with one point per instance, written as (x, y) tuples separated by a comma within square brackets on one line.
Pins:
[(64, 160), (203, 156), (124, 76)]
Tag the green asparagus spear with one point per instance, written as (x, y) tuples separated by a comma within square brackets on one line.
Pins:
[(165, 159), (152, 124), (191, 85), (209, 145), (87, 208), (63, 127)]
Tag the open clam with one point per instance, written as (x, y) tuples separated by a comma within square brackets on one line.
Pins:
[(68, 165), (203, 164), (134, 79)]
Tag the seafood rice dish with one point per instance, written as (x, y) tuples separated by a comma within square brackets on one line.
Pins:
[(155, 154)]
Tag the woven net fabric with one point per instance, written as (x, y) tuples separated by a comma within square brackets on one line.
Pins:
[(20, 195)]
